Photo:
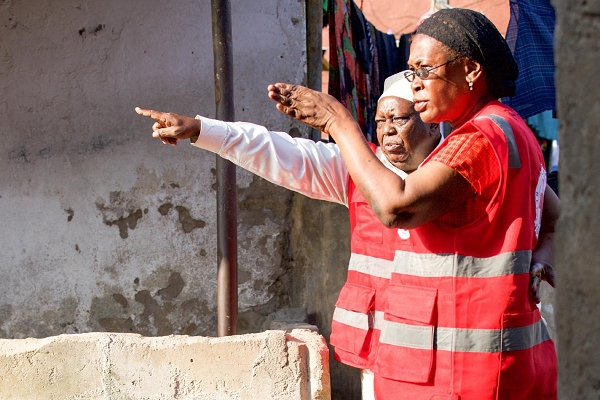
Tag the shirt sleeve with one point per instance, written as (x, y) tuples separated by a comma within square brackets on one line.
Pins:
[(472, 156), (314, 169)]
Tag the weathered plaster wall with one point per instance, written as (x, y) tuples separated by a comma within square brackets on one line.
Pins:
[(102, 227), (577, 55)]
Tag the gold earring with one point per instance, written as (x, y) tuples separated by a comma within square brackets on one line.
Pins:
[(471, 85)]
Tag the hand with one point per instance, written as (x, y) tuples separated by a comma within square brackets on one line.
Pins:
[(538, 272), (316, 109), (169, 127)]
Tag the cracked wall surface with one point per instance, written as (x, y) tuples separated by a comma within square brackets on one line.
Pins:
[(104, 228)]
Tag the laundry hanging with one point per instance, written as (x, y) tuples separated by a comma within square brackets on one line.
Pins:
[(436, 5), (530, 36), (361, 57)]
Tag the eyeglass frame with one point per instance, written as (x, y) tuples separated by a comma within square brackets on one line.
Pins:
[(410, 75)]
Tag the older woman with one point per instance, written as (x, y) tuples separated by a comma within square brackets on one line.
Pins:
[(459, 322)]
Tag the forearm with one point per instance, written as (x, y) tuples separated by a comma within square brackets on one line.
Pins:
[(313, 169), (544, 249), (382, 188)]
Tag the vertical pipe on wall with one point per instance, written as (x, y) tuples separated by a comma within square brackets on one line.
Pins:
[(314, 46), (226, 181)]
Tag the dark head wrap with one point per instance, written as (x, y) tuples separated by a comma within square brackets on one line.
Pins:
[(473, 35)]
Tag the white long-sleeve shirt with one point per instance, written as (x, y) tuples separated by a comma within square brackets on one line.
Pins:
[(314, 169)]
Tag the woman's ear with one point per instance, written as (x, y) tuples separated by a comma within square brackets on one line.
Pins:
[(474, 70)]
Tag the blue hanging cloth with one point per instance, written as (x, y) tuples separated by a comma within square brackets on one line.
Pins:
[(530, 36)]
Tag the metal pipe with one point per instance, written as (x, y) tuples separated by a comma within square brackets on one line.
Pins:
[(227, 301), (314, 53)]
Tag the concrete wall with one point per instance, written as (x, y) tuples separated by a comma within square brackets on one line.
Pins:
[(102, 227), (320, 243), (578, 301), (270, 365)]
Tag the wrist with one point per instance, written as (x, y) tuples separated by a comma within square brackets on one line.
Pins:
[(197, 129)]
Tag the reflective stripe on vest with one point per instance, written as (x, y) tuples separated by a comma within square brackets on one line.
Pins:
[(514, 160), (465, 340), (371, 265), (352, 318), (373, 320), (449, 339), (439, 265)]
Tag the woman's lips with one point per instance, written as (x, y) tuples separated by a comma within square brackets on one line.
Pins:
[(420, 105), (394, 147)]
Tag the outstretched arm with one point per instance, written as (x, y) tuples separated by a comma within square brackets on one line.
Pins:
[(426, 194), (314, 169)]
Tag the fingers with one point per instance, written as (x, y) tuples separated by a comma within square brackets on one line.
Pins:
[(147, 113), (535, 289), (536, 269), (540, 271), (536, 272), (159, 116), (549, 274), (161, 128), (280, 94), (544, 271)]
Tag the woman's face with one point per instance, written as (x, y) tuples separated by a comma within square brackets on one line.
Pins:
[(404, 139), (444, 95)]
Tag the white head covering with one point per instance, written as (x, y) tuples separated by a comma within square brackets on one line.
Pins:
[(397, 85)]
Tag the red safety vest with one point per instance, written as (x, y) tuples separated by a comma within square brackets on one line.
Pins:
[(455, 320), (359, 310)]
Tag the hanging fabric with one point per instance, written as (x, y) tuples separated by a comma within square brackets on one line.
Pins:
[(530, 36), (361, 57), (343, 71), (436, 5)]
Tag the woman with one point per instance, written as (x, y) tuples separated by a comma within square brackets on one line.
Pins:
[(459, 323)]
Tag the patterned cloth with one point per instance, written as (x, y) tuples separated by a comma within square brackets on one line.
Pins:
[(361, 57), (343, 71), (530, 36)]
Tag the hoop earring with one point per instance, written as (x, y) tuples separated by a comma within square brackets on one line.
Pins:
[(470, 85)]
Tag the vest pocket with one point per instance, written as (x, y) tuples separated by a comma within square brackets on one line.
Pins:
[(351, 326), (405, 351)]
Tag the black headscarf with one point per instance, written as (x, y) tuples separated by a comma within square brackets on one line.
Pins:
[(472, 35)]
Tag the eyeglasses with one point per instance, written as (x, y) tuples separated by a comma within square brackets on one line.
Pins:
[(423, 72)]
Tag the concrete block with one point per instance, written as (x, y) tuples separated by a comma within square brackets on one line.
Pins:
[(268, 365)]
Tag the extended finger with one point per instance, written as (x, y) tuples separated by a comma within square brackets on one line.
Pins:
[(156, 115)]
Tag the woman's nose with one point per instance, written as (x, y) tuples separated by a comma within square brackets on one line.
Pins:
[(389, 128), (416, 84)]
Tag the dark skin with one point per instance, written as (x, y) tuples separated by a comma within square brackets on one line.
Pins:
[(404, 138)]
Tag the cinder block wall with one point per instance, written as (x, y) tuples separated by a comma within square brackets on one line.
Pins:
[(269, 365)]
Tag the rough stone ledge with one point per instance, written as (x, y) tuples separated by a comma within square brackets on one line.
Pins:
[(268, 365)]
